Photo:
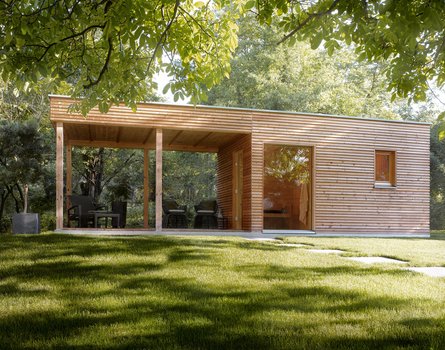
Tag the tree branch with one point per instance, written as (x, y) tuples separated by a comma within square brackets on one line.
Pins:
[(117, 171), (196, 21), (310, 17), (164, 33), (105, 66), (75, 35)]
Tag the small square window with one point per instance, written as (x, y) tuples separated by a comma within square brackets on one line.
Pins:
[(385, 169)]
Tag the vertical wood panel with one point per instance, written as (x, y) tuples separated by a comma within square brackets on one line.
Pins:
[(59, 175), (69, 174), (237, 191), (257, 183), (146, 186), (226, 177), (158, 180)]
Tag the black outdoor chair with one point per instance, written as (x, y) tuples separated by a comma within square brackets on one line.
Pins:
[(80, 210), (206, 214), (120, 208), (174, 215)]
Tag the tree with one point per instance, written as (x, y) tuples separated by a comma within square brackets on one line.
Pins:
[(22, 153), (110, 50), (409, 35), (298, 78), (96, 169), (437, 165)]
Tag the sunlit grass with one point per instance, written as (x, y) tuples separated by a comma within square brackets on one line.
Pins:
[(212, 293)]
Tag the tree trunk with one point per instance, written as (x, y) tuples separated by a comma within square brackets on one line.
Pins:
[(4, 194), (10, 190), (99, 175)]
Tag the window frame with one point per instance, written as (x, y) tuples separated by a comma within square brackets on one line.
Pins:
[(392, 183)]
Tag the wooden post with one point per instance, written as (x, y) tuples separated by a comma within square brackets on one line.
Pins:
[(158, 180), (146, 185), (59, 176)]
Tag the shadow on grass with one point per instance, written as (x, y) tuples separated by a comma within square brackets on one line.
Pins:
[(148, 304)]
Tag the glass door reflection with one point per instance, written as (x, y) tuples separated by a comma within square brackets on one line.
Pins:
[(287, 191)]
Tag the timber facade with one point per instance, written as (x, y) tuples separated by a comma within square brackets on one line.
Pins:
[(277, 171)]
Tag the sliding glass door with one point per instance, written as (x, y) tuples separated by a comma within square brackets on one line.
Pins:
[(287, 201)]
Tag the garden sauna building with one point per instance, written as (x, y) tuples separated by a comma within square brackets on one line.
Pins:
[(277, 171)]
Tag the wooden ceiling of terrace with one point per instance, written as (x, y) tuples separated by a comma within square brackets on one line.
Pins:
[(92, 135)]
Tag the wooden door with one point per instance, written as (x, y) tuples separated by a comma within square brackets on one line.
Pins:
[(237, 191)]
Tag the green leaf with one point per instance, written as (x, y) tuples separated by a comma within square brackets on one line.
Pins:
[(166, 88), (441, 128), (250, 5), (316, 40)]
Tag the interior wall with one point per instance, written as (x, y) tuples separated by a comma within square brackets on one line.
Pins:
[(225, 180)]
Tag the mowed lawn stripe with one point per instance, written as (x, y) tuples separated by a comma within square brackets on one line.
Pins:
[(66, 291)]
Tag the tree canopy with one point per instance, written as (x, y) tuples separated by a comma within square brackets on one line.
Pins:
[(409, 35), (300, 79), (110, 50)]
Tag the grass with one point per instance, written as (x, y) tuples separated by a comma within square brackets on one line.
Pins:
[(71, 292)]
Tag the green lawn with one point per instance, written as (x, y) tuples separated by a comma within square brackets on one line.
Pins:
[(67, 292)]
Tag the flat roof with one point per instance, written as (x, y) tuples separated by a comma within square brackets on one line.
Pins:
[(266, 111)]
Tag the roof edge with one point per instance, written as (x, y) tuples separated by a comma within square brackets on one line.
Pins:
[(270, 111)]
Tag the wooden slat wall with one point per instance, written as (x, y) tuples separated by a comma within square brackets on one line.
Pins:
[(225, 178), (155, 115), (346, 200)]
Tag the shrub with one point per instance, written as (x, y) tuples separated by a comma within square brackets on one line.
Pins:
[(48, 221)]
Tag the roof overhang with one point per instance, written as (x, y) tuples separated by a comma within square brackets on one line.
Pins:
[(185, 128)]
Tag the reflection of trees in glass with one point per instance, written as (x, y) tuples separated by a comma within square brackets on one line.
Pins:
[(288, 163)]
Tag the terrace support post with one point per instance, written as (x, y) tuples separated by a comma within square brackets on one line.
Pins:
[(146, 185), (59, 176), (158, 180)]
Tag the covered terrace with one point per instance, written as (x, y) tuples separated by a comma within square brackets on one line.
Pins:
[(156, 127)]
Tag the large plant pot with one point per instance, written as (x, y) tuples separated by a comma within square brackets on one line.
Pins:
[(26, 223)]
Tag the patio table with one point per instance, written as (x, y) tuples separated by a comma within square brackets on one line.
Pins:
[(105, 214)]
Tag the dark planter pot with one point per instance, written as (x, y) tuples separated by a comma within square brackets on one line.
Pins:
[(26, 223)]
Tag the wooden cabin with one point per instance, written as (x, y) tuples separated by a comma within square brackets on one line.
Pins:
[(278, 172)]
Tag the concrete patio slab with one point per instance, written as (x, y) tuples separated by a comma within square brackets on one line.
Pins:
[(326, 251), (376, 260), (429, 271)]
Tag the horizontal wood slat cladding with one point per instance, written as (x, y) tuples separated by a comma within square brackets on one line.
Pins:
[(153, 115), (345, 200), (225, 178)]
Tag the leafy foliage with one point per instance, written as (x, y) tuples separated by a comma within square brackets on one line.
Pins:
[(22, 157), (437, 165), (298, 78), (189, 178), (111, 50), (288, 163), (410, 35)]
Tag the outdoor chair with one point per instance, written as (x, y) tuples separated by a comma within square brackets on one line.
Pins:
[(206, 215), (80, 210), (120, 208), (174, 215)]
